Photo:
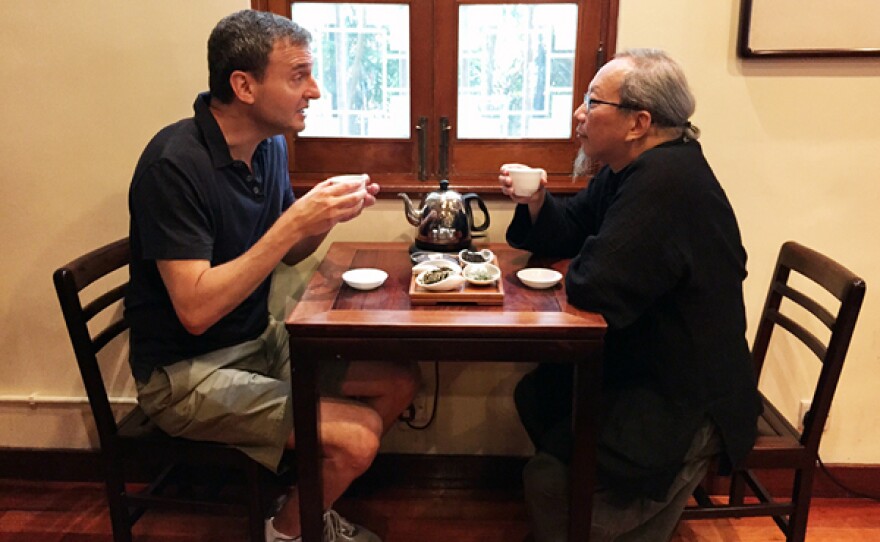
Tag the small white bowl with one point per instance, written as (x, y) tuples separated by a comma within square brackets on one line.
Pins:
[(436, 264), (451, 282), (539, 277), (481, 274), (365, 278)]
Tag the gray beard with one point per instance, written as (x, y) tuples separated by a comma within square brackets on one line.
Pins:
[(582, 164)]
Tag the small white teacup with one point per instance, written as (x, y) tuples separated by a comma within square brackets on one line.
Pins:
[(526, 180), (355, 182)]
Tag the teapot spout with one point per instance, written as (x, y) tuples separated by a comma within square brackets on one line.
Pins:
[(412, 214)]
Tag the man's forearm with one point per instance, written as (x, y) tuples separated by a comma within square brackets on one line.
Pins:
[(303, 249), (202, 294)]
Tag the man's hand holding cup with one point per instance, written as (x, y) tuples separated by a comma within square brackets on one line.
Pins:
[(521, 182)]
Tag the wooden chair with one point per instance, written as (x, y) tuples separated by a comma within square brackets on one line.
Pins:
[(780, 445), (185, 467)]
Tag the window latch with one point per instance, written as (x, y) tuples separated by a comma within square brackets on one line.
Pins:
[(421, 128)]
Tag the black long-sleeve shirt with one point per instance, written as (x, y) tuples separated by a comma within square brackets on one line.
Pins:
[(656, 250)]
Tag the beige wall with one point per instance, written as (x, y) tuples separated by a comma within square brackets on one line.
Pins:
[(794, 144)]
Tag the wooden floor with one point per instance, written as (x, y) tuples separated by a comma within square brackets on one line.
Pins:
[(75, 512)]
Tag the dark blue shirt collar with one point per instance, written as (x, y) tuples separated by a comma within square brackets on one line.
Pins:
[(214, 138)]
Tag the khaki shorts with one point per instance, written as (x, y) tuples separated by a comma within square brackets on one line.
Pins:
[(238, 395)]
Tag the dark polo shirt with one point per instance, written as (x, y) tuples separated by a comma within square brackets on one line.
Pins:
[(189, 200)]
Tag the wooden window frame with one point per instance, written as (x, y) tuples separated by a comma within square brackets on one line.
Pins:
[(473, 163)]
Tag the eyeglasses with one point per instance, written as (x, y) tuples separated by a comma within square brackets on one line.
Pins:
[(590, 103)]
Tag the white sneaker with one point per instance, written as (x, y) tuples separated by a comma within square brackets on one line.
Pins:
[(339, 529), (274, 536)]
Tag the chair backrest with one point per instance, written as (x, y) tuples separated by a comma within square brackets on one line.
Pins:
[(70, 280), (847, 288)]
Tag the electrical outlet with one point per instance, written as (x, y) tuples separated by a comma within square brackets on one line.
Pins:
[(421, 412), (422, 408), (802, 411)]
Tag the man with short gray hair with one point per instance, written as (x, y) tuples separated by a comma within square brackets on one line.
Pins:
[(656, 250)]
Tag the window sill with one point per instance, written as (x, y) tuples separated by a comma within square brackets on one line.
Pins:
[(487, 187)]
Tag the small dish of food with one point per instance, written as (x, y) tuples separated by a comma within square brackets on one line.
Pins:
[(436, 264), (481, 274), (365, 278), (538, 277), (439, 279), (476, 256), (422, 256)]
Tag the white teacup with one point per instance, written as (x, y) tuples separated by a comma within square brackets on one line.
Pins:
[(355, 182), (526, 180)]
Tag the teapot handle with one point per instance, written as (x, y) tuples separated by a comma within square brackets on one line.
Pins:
[(467, 198)]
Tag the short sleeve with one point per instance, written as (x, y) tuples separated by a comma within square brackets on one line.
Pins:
[(170, 215)]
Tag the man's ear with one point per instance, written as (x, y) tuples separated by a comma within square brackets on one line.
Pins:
[(242, 84), (640, 125)]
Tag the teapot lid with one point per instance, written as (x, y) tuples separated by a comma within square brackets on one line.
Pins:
[(442, 196)]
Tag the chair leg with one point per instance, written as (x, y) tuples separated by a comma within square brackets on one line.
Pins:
[(256, 502), (119, 517), (801, 494), (702, 497), (737, 489)]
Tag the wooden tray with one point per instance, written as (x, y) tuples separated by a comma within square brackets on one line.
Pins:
[(466, 293)]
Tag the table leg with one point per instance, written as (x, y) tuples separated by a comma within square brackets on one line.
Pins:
[(308, 452), (582, 477)]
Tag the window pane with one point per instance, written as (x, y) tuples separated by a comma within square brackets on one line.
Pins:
[(515, 70), (361, 54)]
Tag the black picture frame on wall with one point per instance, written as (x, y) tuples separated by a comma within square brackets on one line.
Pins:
[(808, 29)]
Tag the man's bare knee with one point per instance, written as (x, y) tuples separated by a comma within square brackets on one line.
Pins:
[(352, 428)]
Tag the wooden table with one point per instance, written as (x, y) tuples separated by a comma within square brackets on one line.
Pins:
[(332, 319)]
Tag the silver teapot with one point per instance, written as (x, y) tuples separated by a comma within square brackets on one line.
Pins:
[(445, 222)]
